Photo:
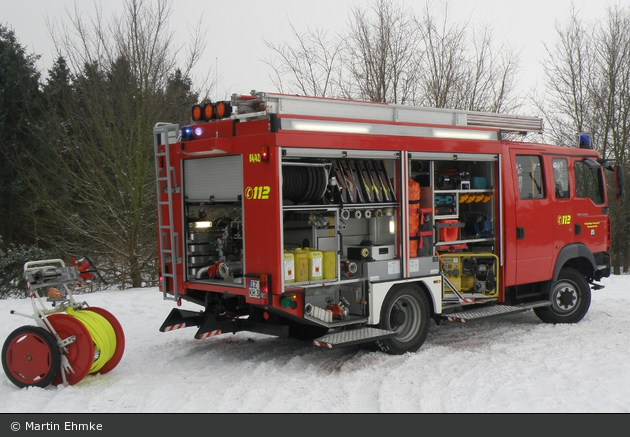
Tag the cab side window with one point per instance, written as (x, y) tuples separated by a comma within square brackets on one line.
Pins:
[(561, 177), (589, 182), (530, 177)]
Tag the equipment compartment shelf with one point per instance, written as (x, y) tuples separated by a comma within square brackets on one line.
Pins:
[(472, 190), (447, 202), (334, 207), (464, 241)]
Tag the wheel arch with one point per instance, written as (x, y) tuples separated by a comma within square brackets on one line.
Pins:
[(578, 257), (431, 287)]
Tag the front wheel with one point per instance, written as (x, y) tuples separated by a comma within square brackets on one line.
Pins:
[(406, 311), (570, 299)]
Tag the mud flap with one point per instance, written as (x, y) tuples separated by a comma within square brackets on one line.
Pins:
[(209, 325), (181, 319)]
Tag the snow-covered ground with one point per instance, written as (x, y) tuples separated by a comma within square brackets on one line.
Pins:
[(512, 363)]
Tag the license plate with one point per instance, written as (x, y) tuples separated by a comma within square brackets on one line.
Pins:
[(254, 288)]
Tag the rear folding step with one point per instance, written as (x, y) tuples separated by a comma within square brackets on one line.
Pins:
[(491, 310), (351, 337)]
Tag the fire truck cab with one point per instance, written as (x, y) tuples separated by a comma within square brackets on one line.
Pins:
[(344, 222)]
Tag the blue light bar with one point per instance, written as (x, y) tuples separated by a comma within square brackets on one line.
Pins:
[(584, 141), (187, 133)]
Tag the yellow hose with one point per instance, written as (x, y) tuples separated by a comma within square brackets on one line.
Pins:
[(103, 336)]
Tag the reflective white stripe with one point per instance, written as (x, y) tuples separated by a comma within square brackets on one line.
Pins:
[(319, 343), (172, 328), (211, 333)]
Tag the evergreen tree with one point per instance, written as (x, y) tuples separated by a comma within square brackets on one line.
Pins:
[(20, 98)]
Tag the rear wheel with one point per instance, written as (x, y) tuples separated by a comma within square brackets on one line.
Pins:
[(570, 299), (406, 311), (31, 357)]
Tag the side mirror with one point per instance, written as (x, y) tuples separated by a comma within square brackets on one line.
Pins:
[(619, 183)]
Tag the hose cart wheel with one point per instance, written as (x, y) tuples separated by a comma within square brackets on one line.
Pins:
[(31, 357)]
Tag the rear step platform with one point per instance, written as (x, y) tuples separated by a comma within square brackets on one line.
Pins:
[(351, 337), (491, 310)]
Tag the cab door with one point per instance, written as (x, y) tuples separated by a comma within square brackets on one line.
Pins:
[(533, 212), (562, 186), (591, 222)]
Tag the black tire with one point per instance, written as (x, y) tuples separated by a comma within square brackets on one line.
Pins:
[(570, 299), (31, 357), (405, 310)]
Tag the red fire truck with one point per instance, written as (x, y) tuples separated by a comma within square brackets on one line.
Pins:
[(346, 222)]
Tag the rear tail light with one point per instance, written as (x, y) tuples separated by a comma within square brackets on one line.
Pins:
[(264, 289)]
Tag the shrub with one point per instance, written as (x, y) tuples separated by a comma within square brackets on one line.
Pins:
[(12, 260)]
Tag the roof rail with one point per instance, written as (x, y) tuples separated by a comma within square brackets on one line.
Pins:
[(261, 104)]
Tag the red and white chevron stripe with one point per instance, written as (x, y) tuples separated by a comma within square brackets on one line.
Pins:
[(210, 334)]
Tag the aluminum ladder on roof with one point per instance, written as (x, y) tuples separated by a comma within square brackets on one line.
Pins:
[(163, 135), (263, 104)]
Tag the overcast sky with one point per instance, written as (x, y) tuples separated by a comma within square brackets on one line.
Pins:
[(239, 27)]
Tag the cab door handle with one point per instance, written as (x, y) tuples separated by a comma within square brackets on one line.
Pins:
[(520, 233)]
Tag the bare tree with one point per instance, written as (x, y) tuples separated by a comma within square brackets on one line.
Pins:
[(610, 94), (569, 71), (588, 90), (491, 76), (464, 71), (310, 68), (100, 139), (611, 85), (390, 54), (382, 52)]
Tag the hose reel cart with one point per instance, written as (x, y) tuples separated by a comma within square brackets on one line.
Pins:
[(70, 339)]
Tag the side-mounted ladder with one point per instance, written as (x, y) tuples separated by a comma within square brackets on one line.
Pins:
[(163, 135), (261, 104)]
